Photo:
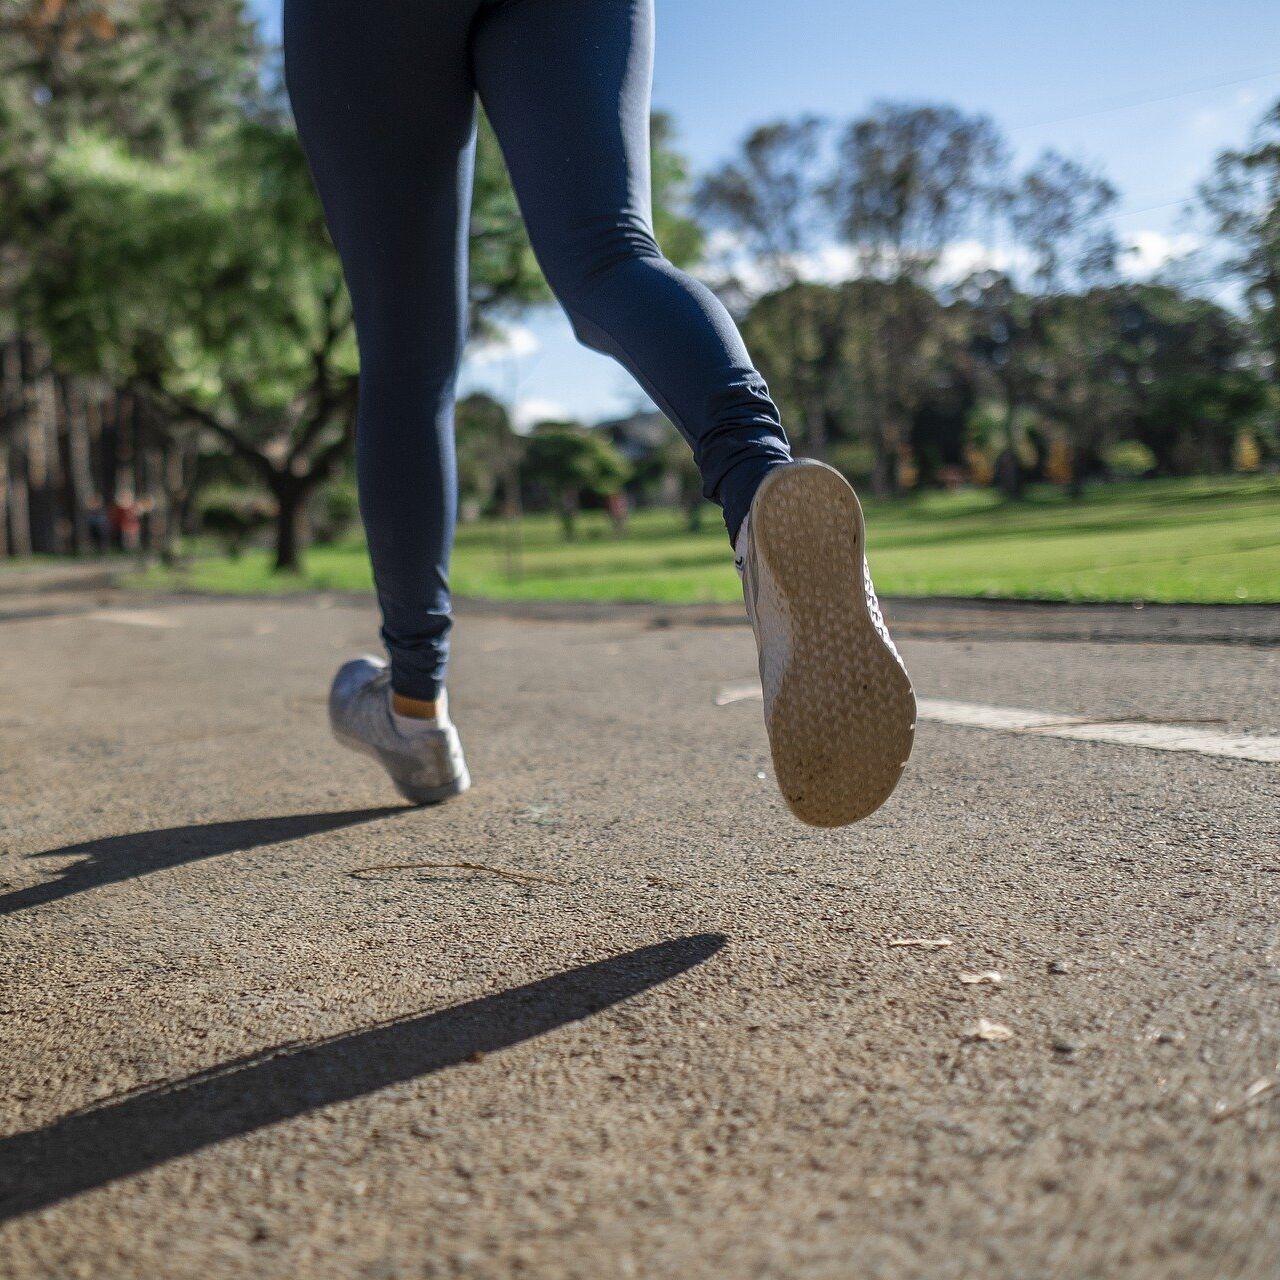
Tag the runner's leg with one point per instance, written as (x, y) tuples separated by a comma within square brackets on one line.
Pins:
[(385, 106), (566, 84)]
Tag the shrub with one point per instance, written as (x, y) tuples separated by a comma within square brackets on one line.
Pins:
[(234, 516), (1129, 459)]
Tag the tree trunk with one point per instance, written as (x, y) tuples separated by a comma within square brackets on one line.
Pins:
[(174, 474), (884, 475), (1075, 486), (815, 431), (291, 500), (36, 500), (569, 513), (189, 513), (19, 509), (44, 470), (1008, 467), (157, 513), (1009, 473), (109, 450), (79, 477), (5, 549), (14, 531)]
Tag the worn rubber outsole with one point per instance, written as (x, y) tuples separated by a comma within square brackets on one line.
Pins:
[(842, 721), (414, 794)]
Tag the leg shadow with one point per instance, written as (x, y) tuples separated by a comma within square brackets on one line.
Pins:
[(116, 858), (127, 1135)]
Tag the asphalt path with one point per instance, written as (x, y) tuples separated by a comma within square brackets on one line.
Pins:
[(614, 1012)]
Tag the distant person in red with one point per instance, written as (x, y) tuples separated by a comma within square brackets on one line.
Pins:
[(126, 526), (619, 508)]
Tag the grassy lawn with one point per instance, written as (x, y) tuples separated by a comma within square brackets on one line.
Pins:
[(1188, 540)]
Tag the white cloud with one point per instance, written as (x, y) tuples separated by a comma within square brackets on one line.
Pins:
[(828, 264), (724, 243), (963, 257), (832, 263), (513, 343), (1151, 250), (527, 413)]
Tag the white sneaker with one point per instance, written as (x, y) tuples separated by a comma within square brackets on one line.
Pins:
[(838, 702), (425, 763)]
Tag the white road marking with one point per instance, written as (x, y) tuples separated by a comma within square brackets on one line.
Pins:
[(133, 618), (1124, 733), (739, 693), (1053, 724)]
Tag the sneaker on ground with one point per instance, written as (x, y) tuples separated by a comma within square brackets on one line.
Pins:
[(425, 763)]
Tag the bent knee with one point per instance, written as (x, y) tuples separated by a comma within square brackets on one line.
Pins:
[(579, 265), (588, 288)]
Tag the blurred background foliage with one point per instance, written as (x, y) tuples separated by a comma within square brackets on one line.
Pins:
[(177, 355)]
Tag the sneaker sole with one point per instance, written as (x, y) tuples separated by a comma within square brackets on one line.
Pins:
[(843, 720), (415, 795)]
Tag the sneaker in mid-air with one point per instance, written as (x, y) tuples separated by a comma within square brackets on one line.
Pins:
[(838, 702), (425, 763)]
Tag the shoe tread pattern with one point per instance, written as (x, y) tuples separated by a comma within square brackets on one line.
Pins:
[(841, 715)]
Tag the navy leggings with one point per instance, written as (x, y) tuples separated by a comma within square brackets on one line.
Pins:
[(384, 93)]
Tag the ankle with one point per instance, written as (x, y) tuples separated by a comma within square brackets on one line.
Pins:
[(415, 708)]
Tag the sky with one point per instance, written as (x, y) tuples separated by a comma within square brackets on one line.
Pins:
[(1147, 92)]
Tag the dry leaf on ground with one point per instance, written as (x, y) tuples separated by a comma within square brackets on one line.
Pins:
[(988, 1031), (1258, 1090)]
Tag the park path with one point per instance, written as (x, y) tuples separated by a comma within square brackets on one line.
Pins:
[(614, 1013)]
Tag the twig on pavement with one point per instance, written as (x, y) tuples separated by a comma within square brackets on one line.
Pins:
[(361, 873)]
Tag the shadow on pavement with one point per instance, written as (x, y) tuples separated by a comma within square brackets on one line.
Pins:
[(126, 1135), (114, 858)]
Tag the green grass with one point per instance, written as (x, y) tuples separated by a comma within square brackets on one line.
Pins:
[(1204, 540)]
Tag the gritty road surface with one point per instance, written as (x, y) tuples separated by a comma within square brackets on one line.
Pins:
[(614, 1013)]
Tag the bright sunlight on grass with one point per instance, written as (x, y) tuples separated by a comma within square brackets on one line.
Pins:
[(1204, 540)]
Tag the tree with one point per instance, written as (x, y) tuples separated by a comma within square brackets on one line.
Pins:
[(66, 65), (771, 199), (72, 64), (1242, 197), (802, 336), (157, 219), (666, 470), (1191, 384), (209, 284), (1053, 218), (911, 181), (679, 234), (489, 452), (1004, 340), (567, 460), (504, 274), (1083, 393)]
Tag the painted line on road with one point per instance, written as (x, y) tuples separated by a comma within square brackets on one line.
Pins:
[(1052, 724), (750, 691), (133, 618), (1123, 733)]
